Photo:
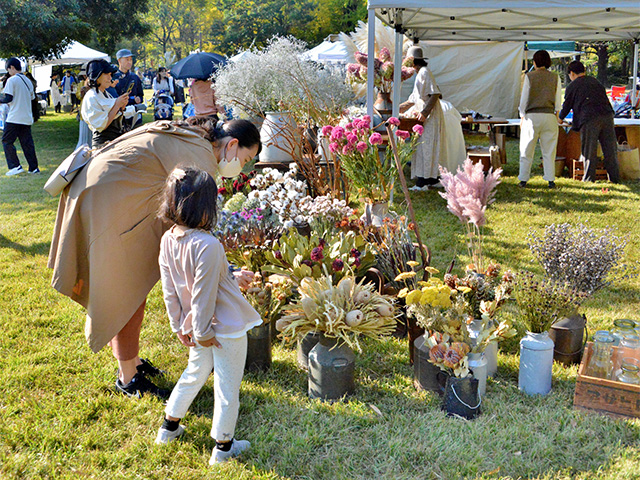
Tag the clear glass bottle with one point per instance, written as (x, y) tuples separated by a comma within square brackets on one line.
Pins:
[(629, 371), (601, 362), (622, 327)]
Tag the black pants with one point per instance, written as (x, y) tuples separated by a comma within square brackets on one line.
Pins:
[(22, 132), (599, 129)]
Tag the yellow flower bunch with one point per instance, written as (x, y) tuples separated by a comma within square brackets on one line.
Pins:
[(433, 292)]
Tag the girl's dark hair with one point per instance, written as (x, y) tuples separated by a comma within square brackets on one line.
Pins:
[(189, 199), (244, 131), (161, 69), (419, 62), (542, 59)]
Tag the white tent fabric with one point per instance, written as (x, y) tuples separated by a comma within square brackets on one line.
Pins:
[(77, 53), (331, 52), (42, 74), (242, 56), (500, 20), (480, 76)]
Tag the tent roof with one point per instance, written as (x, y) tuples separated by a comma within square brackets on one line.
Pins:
[(77, 53), (515, 20), (328, 52)]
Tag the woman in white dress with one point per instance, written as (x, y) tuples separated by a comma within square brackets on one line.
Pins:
[(56, 97)]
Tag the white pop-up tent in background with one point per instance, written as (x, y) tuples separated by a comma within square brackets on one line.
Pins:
[(503, 20)]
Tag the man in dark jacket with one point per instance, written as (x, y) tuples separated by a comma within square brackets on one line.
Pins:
[(593, 118), (129, 83)]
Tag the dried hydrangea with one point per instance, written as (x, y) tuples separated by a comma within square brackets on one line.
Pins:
[(581, 256)]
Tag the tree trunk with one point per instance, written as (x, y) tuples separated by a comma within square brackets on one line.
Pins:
[(603, 62)]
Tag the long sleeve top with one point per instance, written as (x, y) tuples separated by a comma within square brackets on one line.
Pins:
[(201, 294), (165, 84), (587, 98), (95, 109)]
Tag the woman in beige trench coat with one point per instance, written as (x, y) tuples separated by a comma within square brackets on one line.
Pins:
[(106, 240)]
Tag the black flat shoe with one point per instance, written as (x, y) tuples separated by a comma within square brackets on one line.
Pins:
[(148, 369), (139, 385), (522, 184)]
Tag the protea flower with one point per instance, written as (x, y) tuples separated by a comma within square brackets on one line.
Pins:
[(437, 353), (454, 354)]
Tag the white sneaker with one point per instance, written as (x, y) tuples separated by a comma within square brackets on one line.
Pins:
[(15, 171), (165, 436), (416, 188), (237, 447)]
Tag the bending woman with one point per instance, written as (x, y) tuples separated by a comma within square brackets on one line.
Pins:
[(106, 240)]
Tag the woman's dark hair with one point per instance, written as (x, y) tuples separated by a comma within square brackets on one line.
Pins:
[(13, 62), (189, 199), (419, 62), (160, 70), (576, 67), (542, 59), (244, 131)]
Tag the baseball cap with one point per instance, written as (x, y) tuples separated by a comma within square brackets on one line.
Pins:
[(124, 53), (95, 68)]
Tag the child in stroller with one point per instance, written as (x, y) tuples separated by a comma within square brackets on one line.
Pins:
[(163, 105)]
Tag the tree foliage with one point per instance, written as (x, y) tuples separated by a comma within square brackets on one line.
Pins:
[(43, 28)]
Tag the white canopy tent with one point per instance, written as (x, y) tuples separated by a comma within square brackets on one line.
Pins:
[(328, 52), (503, 20), (75, 54)]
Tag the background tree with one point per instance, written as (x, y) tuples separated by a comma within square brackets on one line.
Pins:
[(43, 28)]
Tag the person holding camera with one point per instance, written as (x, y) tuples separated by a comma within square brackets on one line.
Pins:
[(130, 84), (102, 112)]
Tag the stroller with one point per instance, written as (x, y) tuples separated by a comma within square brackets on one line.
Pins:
[(162, 106)]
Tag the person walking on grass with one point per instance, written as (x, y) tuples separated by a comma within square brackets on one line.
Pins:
[(593, 118), (206, 309), (540, 100), (18, 93)]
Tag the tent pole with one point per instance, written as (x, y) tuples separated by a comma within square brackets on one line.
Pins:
[(634, 92), (397, 66), (371, 51)]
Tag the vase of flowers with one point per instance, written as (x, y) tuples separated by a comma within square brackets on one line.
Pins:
[(541, 303), (280, 138), (304, 346), (584, 258), (357, 148), (341, 313)]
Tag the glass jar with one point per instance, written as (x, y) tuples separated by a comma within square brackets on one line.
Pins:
[(601, 362), (629, 371), (622, 327)]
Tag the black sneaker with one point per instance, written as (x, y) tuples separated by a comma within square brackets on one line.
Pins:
[(139, 385), (552, 184), (522, 184), (147, 369)]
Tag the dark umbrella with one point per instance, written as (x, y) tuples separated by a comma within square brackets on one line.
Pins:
[(198, 65)]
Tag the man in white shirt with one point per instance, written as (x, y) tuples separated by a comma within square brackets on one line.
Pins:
[(18, 93)]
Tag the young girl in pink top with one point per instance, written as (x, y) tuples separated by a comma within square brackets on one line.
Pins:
[(206, 309)]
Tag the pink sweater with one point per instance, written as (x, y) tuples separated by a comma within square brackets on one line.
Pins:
[(201, 295)]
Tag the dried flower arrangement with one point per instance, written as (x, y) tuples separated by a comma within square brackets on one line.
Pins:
[(542, 303), (383, 69), (578, 255), (451, 357), (344, 311), (468, 192), (268, 297), (298, 256), (355, 147), (247, 236)]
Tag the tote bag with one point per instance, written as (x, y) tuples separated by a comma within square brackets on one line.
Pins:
[(67, 170)]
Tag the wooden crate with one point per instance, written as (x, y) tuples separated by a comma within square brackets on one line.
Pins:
[(605, 396), (488, 156), (577, 170)]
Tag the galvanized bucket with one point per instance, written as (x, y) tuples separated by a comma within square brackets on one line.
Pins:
[(570, 337)]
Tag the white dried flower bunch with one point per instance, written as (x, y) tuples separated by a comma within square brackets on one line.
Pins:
[(342, 311), (325, 207), (281, 192), (277, 78), (578, 255)]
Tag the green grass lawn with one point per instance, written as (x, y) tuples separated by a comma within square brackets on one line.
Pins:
[(61, 419)]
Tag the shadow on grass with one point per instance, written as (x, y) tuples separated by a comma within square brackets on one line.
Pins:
[(41, 248)]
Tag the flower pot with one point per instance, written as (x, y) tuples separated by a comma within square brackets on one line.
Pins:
[(491, 355), (536, 362), (426, 375), (280, 138), (331, 369), (375, 213), (414, 331), (478, 366), (259, 348), (569, 336), (461, 397), (305, 344)]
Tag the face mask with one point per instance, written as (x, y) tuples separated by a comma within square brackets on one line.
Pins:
[(229, 168)]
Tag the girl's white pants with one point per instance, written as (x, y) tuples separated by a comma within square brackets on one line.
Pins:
[(534, 126), (228, 366)]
